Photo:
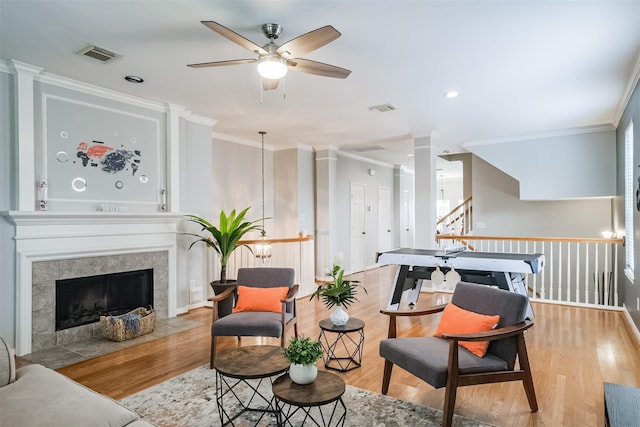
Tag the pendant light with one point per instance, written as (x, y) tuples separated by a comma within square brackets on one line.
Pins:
[(263, 248)]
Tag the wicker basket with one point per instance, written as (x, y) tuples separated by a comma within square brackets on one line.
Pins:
[(114, 329)]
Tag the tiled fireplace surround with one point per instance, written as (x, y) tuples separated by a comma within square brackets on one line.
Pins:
[(45, 274), (52, 246)]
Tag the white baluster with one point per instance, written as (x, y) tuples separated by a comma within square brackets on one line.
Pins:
[(586, 273), (577, 271), (568, 271)]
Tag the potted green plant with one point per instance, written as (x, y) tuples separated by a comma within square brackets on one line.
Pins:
[(302, 354), (224, 240), (338, 292), (225, 237)]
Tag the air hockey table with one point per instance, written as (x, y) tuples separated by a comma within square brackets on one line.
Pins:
[(503, 270)]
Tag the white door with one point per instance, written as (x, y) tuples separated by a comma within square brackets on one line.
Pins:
[(385, 237), (406, 233), (358, 233)]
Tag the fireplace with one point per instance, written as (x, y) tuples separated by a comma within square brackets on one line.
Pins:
[(80, 301), (52, 246)]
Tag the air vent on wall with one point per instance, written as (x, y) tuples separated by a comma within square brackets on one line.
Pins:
[(383, 108), (95, 52)]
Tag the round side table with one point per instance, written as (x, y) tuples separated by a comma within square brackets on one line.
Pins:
[(318, 403), (246, 368), (344, 351)]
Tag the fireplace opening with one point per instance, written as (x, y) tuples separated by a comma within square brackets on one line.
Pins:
[(80, 301)]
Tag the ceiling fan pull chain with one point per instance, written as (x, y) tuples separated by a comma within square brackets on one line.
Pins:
[(284, 88), (261, 93)]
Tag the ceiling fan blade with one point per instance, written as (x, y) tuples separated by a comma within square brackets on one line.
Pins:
[(235, 37), (269, 84), (308, 42), (221, 63), (318, 68)]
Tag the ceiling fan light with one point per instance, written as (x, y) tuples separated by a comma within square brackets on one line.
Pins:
[(272, 68)]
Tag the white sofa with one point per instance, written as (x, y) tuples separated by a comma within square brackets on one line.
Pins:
[(38, 396)]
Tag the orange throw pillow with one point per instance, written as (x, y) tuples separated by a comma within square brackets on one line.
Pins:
[(456, 320), (260, 299)]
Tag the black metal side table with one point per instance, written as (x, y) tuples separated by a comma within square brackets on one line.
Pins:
[(344, 351), (240, 374)]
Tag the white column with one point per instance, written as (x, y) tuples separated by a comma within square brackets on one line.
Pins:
[(326, 170), (172, 183), (26, 181), (425, 194)]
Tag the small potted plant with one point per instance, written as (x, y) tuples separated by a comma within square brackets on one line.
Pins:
[(338, 292), (303, 353)]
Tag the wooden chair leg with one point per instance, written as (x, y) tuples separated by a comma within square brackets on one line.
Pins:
[(386, 376), (295, 329), (452, 385), (213, 351), (283, 340), (527, 381), (449, 405)]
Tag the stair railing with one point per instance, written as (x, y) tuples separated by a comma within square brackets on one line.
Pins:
[(577, 271), (458, 221)]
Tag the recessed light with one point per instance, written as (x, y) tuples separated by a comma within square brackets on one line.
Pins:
[(134, 79), (410, 155), (452, 94)]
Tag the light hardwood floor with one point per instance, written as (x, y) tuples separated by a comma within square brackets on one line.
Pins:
[(572, 351)]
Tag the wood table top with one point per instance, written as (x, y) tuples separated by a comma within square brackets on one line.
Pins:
[(254, 361), (326, 388), (353, 324)]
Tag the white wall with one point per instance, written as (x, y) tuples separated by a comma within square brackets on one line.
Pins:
[(571, 165), (196, 197)]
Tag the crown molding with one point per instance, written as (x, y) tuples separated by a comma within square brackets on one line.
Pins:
[(242, 141), (90, 89), (560, 133), (365, 160)]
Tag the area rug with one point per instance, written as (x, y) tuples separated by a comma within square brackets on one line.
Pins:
[(190, 400)]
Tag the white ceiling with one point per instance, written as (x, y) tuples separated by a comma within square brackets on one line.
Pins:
[(521, 67)]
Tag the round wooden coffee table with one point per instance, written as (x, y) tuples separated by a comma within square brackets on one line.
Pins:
[(300, 404), (243, 376)]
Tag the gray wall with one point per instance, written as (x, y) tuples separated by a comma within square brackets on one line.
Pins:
[(237, 179), (496, 204), (306, 191), (349, 171), (294, 192), (7, 202), (631, 291)]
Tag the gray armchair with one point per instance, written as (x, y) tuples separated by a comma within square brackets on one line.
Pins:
[(257, 323), (441, 362)]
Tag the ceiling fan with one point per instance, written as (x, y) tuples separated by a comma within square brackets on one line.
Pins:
[(273, 60)]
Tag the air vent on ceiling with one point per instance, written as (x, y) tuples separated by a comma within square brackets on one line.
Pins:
[(383, 108), (368, 149), (95, 52)]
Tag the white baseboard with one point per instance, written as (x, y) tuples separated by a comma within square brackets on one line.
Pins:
[(632, 325)]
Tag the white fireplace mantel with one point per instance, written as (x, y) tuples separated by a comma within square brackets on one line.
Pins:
[(45, 235)]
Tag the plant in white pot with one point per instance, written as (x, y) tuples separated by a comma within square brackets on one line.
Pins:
[(303, 354), (338, 293)]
